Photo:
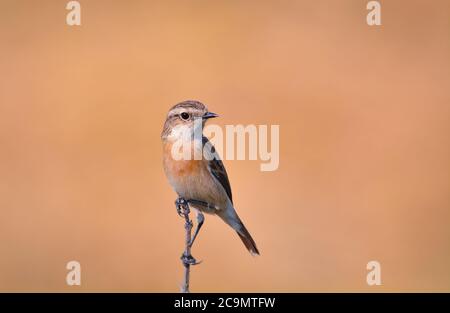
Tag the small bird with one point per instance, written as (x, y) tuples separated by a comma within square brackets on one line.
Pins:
[(202, 182)]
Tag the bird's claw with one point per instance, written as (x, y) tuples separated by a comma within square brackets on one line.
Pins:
[(180, 214), (182, 206), (180, 201), (189, 260)]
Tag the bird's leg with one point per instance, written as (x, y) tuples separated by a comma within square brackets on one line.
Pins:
[(200, 221), (200, 216)]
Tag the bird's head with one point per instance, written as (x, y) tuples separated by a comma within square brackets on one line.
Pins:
[(184, 118)]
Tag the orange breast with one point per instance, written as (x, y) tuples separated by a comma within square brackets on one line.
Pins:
[(179, 167), (191, 179)]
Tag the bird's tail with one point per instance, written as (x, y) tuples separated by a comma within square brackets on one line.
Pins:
[(247, 240), (231, 218)]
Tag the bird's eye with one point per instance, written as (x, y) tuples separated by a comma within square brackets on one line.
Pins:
[(184, 116)]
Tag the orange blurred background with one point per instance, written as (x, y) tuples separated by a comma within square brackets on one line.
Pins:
[(364, 143)]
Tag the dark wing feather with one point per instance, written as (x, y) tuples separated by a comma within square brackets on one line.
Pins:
[(218, 170)]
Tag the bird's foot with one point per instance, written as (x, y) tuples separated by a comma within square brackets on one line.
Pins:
[(182, 207), (189, 260)]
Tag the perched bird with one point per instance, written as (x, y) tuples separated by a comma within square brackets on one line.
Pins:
[(202, 182)]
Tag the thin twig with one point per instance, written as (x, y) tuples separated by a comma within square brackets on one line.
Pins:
[(186, 258)]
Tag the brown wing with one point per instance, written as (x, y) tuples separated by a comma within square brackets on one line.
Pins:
[(218, 170)]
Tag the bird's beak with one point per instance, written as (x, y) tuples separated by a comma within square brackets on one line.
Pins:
[(208, 115)]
